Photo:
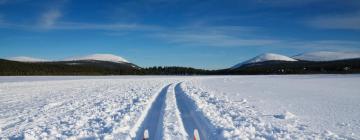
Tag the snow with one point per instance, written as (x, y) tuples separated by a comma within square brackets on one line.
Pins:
[(265, 57), (239, 120), (172, 107), (319, 103), (173, 126), (151, 118), (327, 56), (101, 57), (27, 59), (73, 108)]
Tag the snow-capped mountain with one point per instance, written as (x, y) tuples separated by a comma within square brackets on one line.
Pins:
[(100, 57), (265, 57), (27, 59), (327, 56)]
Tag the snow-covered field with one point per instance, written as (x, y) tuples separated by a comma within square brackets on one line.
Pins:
[(171, 107)]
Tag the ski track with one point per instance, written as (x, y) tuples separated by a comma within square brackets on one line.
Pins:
[(73, 109), (192, 118), (238, 120), (124, 108), (154, 117), (173, 124)]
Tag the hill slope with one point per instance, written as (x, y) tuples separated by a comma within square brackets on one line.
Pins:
[(263, 58), (81, 67), (27, 59), (327, 56), (100, 57)]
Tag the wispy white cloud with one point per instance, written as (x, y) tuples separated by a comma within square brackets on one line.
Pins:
[(52, 14), (323, 44), (1, 19), (108, 27), (49, 18), (242, 36), (213, 40), (214, 36), (287, 3), (319, 45), (53, 24), (3, 1), (337, 22)]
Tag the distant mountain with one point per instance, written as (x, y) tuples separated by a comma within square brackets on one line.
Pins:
[(96, 64), (100, 57), (309, 63), (26, 59), (299, 67), (108, 64), (78, 67), (263, 58), (327, 56), (96, 57)]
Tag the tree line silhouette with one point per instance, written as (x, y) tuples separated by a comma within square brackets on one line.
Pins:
[(8, 68)]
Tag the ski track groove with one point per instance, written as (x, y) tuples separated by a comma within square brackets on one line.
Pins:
[(86, 109), (101, 109), (173, 115), (154, 117), (173, 124), (192, 117)]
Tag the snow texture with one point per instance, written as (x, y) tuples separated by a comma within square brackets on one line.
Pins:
[(171, 107), (173, 126), (27, 59), (74, 108), (265, 57), (101, 57), (240, 120), (320, 103), (327, 56)]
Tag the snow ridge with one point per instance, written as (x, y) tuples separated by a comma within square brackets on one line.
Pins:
[(27, 59), (173, 126), (108, 109), (327, 56), (101, 57), (265, 57), (238, 120)]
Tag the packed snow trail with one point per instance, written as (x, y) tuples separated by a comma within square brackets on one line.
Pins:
[(238, 120), (121, 107), (172, 124), (192, 118), (153, 120), (90, 109)]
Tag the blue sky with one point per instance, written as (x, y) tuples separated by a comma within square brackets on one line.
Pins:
[(198, 33)]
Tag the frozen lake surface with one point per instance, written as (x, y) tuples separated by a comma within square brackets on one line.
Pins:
[(220, 107)]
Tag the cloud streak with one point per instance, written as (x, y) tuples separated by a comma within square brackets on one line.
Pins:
[(108, 27), (213, 40), (3, 2), (49, 18), (213, 36), (351, 22), (243, 36), (50, 21)]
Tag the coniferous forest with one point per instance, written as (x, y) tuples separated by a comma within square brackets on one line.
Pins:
[(8, 68)]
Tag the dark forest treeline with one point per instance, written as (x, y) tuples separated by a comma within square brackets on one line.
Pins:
[(65, 68), (300, 67), (110, 68), (175, 71)]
